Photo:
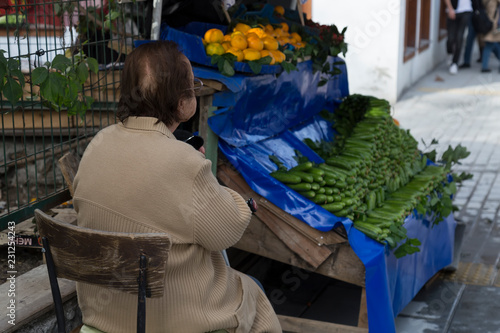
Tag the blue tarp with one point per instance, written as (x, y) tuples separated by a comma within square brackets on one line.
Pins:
[(269, 114)]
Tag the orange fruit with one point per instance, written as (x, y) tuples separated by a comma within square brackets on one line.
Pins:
[(279, 31), (234, 33), (251, 34), (227, 38), (251, 54), (270, 43), (297, 37), (226, 45), (239, 42), (284, 26), (214, 36), (267, 53), (214, 48), (238, 53), (280, 10), (278, 56), (255, 43), (268, 28), (258, 31), (242, 27)]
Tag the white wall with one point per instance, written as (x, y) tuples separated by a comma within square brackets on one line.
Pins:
[(373, 38), (375, 35), (425, 61)]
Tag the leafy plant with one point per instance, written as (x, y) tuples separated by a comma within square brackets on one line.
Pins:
[(61, 82)]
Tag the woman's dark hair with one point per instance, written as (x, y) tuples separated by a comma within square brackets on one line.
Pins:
[(155, 78)]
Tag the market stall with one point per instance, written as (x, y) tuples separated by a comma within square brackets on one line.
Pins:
[(274, 113)]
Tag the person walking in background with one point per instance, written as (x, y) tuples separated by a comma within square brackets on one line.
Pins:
[(469, 44), (459, 12), (492, 38)]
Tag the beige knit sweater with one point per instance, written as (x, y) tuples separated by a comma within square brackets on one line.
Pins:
[(135, 177)]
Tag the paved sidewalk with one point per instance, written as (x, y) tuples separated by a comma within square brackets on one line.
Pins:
[(465, 109)]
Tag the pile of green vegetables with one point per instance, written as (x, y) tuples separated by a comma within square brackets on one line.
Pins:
[(374, 174)]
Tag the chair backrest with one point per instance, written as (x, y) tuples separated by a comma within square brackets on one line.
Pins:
[(107, 259)]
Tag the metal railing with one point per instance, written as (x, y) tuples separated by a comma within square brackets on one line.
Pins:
[(34, 135)]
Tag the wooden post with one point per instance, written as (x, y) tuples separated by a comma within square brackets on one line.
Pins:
[(301, 13), (363, 310)]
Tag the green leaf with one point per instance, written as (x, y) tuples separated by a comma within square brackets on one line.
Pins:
[(82, 73), (20, 76), (12, 91), (60, 62), (288, 67), (39, 75), (93, 64), (227, 68), (453, 187), (255, 67), (265, 60), (12, 64), (215, 59), (53, 88), (3, 60), (71, 92), (414, 241), (113, 15)]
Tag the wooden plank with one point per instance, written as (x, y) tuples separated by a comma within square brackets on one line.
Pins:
[(319, 237), (69, 166), (33, 297), (306, 249), (296, 325), (363, 310), (342, 264)]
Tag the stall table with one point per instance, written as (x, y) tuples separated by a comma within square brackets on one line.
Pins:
[(277, 235)]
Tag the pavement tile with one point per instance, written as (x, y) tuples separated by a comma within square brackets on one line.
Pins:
[(434, 302), (478, 311)]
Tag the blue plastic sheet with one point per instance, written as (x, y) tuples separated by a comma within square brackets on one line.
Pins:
[(267, 105), (250, 130)]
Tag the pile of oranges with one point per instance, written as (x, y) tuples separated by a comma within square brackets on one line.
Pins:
[(248, 43)]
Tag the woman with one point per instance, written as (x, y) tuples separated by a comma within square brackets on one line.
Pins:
[(492, 38), (136, 177)]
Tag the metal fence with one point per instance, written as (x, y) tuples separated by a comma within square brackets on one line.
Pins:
[(35, 136)]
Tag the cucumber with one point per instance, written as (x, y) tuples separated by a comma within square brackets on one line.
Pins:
[(341, 185), (315, 186), (316, 171), (334, 207), (302, 166), (305, 177), (319, 199), (309, 194), (286, 177), (328, 191), (330, 181), (300, 187)]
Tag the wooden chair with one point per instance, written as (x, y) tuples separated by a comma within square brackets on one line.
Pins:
[(129, 262)]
